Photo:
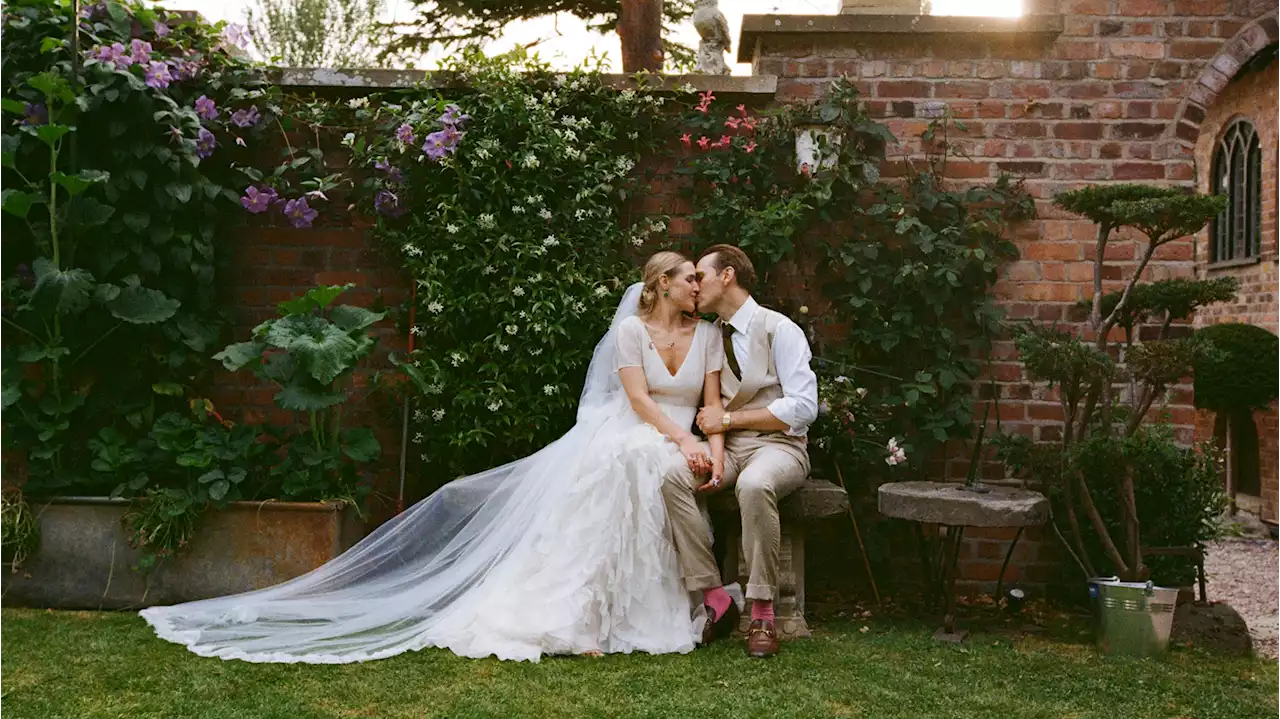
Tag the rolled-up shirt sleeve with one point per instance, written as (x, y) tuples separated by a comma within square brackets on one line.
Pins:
[(798, 407)]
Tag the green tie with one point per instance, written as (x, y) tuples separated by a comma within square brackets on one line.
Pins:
[(726, 330)]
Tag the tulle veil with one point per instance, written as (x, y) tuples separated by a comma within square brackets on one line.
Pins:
[(380, 597)]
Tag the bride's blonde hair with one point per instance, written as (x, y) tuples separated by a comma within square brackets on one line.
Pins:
[(662, 264)]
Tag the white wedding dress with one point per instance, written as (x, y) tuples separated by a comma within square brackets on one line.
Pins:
[(563, 552)]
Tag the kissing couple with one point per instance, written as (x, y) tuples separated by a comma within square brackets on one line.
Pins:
[(598, 542)]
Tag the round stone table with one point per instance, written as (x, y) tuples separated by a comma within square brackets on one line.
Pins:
[(955, 506)]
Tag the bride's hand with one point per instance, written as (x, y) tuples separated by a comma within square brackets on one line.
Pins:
[(715, 483), (695, 455)]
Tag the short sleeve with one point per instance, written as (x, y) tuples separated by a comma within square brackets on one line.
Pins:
[(714, 349), (630, 341)]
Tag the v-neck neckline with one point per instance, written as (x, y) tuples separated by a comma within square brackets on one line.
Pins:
[(685, 360)]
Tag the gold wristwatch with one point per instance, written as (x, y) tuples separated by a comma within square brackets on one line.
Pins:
[(727, 420)]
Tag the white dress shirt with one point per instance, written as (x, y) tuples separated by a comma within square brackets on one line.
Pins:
[(798, 407)]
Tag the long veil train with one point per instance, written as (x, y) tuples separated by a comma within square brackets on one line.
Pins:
[(382, 596)]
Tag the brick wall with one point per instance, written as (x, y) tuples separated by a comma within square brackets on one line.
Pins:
[(1118, 95), (1252, 96)]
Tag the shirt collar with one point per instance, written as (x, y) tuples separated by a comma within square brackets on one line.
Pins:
[(741, 319)]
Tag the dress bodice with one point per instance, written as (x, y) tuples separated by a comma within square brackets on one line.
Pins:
[(680, 394)]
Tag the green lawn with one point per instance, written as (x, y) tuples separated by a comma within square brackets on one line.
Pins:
[(89, 664)]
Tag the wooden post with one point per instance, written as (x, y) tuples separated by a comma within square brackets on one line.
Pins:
[(640, 27)]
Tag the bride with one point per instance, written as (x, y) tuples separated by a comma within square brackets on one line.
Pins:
[(563, 552)]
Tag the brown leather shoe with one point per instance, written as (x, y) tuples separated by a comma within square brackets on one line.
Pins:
[(723, 626), (762, 639)]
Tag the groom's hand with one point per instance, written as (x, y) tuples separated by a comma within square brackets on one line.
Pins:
[(709, 420)]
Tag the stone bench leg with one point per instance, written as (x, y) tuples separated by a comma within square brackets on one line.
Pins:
[(788, 608)]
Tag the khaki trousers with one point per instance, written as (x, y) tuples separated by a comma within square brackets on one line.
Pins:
[(762, 468)]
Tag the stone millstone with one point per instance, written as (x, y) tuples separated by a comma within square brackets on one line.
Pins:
[(950, 504)]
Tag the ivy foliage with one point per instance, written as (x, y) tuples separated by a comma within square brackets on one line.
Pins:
[(118, 173)]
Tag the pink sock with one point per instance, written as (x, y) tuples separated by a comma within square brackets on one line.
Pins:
[(718, 599), (762, 609)]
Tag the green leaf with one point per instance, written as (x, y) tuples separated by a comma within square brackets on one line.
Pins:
[(62, 291), (51, 134), (360, 445), (170, 389), (84, 212), (235, 356), (351, 318), (79, 182), (143, 306), (179, 191), (219, 489), (315, 298), (211, 475), (296, 397), (9, 149), (15, 202), (8, 104), (137, 221)]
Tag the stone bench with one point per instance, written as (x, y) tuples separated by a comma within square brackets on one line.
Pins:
[(817, 499)]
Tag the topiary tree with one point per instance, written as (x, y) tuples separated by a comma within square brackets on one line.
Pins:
[(1240, 375), (1108, 380)]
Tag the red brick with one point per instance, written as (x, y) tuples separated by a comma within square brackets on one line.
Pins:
[(1139, 171), (958, 89), (1077, 130), (1193, 49), (902, 89)]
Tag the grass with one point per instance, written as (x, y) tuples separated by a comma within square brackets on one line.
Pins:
[(101, 664)]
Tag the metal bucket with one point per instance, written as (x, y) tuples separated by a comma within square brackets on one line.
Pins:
[(1136, 619), (1095, 601)]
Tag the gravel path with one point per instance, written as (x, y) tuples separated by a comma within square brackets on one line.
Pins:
[(1243, 573)]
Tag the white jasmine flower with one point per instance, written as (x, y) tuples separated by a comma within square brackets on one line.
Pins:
[(495, 405), (455, 358), (561, 80), (548, 389), (438, 388), (517, 209), (415, 330), (581, 213), (349, 139), (419, 415), (637, 240), (687, 89), (531, 102), (486, 221), (633, 135), (517, 291), (530, 161), (601, 291), (435, 307), (551, 241), (861, 392), (437, 415), (356, 103), (579, 308), (417, 438), (544, 213), (451, 228), (512, 329), (658, 226), (841, 379), (502, 347), (482, 153), (488, 270), (536, 351), (457, 245), (412, 250), (627, 95)]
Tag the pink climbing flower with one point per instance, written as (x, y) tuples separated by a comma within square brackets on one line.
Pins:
[(732, 122), (703, 142), (742, 109), (685, 139), (750, 146)]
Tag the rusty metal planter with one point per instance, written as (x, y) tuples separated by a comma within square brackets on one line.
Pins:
[(85, 561)]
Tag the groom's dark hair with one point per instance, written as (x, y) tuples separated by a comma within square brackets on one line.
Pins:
[(729, 256)]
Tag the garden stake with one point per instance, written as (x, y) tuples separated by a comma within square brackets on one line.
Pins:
[(404, 421), (866, 564)]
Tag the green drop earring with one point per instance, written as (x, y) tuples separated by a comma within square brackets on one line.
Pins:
[(666, 294)]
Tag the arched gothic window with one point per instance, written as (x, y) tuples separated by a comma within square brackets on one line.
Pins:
[(1237, 173)]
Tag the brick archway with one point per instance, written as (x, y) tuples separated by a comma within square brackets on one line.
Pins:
[(1237, 51)]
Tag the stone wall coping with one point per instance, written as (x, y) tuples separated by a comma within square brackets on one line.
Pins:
[(755, 27), (371, 79)]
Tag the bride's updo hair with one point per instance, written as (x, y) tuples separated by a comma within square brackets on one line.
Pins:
[(662, 264)]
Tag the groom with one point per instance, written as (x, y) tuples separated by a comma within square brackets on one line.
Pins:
[(770, 397)]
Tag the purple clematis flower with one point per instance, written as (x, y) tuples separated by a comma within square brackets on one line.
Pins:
[(113, 54), (206, 109), (393, 172), (186, 70), (299, 213), (35, 113), (452, 116), (140, 50), (441, 143), (246, 118), (257, 201), (404, 134), (205, 142), (161, 29), (388, 204), (158, 75)]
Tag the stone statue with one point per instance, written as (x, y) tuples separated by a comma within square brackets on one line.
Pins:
[(714, 31)]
